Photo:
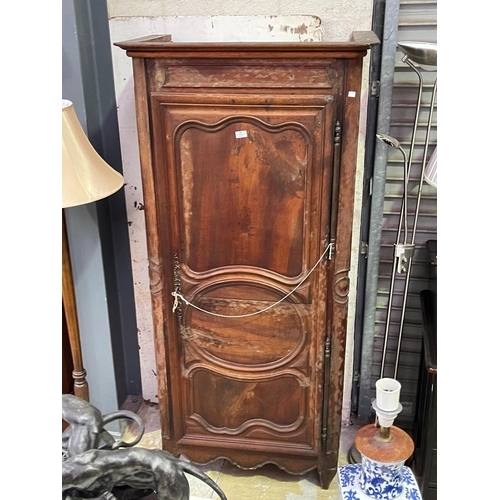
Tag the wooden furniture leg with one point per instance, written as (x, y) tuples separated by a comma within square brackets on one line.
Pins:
[(81, 388)]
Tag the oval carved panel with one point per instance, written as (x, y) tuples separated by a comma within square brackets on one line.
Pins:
[(261, 339)]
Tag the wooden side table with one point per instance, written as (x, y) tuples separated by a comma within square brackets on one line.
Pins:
[(425, 428)]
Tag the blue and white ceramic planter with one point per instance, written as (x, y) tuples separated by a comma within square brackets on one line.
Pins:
[(372, 480), (381, 480)]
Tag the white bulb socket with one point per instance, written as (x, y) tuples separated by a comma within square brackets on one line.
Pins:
[(387, 390)]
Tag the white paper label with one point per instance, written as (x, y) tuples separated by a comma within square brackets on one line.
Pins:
[(240, 134), (351, 93)]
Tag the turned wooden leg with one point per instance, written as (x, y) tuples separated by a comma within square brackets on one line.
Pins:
[(81, 388)]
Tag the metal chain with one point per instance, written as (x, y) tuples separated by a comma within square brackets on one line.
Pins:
[(178, 295)]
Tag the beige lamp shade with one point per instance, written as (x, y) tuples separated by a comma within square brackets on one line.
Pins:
[(86, 176)]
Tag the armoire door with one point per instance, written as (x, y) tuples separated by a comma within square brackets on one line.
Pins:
[(246, 183)]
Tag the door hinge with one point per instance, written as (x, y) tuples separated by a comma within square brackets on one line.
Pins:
[(327, 354), (331, 250), (375, 88), (363, 248)]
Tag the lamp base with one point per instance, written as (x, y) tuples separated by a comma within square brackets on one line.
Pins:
[(354, 456), (351, 475), (381, 475), (398, 448)]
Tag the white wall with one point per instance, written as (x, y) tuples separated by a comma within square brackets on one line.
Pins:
[(339, 17), (223, 20)]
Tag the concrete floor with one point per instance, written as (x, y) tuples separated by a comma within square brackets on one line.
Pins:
[(266, 483)]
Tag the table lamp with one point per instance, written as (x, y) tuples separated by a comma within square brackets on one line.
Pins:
[(86, 178), (384, 449)]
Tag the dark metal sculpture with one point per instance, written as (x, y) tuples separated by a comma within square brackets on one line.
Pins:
[(95, 466), (97, 473), (86, 430)]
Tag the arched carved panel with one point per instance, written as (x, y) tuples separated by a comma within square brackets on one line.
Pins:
[(233, 406), (262, 175)]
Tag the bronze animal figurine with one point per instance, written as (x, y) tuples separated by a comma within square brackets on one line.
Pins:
[(86, 430), (101, 475)]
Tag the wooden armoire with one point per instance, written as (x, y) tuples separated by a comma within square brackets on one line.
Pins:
[(248, 158)]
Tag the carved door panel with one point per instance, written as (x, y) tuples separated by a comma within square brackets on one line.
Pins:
[(247, 182)]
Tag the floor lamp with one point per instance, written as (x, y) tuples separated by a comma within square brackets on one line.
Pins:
[(86, 178), (416, 55)]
